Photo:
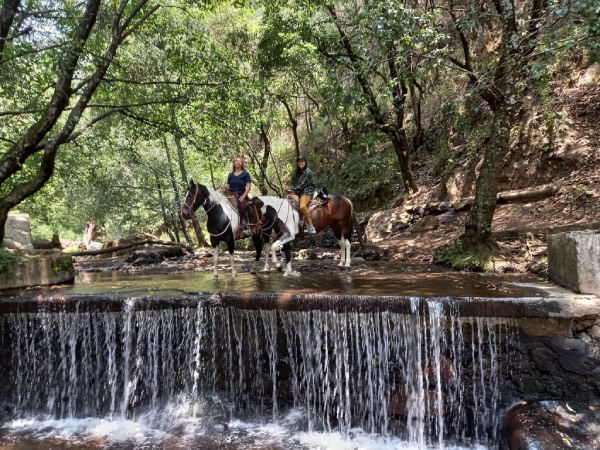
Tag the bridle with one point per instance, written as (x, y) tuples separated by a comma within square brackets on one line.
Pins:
[(191, 207), (260, 223), (193, 212)]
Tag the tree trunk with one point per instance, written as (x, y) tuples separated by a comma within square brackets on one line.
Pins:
[(184, 179), (166, 220), (293, 126), (176, 191), (402, 149), (478, 228), (89, 233), (264, 136), (415, 97)]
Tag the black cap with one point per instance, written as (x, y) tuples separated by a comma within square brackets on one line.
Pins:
[(301, 158)]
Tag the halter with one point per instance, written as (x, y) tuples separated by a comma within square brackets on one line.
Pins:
[(193, 211), (259, 223), (191, 207)]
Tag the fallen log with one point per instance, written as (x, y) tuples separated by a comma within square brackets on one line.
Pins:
[(129, 245), (464, 204), (528, 195)]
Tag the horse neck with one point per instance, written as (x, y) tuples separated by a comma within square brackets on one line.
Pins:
[(214, 198), (284, 209)]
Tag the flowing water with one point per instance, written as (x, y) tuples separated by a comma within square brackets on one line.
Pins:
[(209, 376)]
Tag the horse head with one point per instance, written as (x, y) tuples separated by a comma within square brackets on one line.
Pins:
[(194, 198), (252, 215)]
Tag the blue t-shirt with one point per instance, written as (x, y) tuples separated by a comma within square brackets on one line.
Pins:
[(237, 183)]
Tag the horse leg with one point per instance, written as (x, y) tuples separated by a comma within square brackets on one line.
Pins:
[(342, 244), (231, 248), (288, 259), (268, 249), (216, 260), (258, 246), (284, 239), (348, 248)]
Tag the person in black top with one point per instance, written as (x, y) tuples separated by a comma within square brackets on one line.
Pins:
[(304, 189)]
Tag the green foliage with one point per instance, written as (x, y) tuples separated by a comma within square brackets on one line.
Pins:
[(62, 265), (369, 174), (6, 260), (455, 256)]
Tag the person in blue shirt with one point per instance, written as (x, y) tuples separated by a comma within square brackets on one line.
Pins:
[(239, 182), (304, 189)]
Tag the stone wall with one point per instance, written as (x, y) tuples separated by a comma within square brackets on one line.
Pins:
[(42, 268)]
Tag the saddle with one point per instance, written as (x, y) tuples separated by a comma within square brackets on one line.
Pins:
[(233, 200)]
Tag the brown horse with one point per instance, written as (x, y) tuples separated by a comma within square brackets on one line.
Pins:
[(334, 211)]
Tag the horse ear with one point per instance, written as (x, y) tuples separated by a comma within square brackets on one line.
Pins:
[(191, 183), (258, 202)]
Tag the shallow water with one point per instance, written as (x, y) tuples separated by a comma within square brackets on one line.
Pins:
[(406, 284), (184, 426)]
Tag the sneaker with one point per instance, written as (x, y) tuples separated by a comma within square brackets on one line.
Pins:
[(311, 230)]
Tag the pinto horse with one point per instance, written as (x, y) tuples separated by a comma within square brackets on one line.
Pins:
[(264, 225), (334, 211), (222, 223)]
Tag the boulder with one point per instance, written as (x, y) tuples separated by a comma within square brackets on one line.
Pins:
[(384, 224)]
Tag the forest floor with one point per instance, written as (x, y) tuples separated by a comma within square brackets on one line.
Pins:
[(520, 229)]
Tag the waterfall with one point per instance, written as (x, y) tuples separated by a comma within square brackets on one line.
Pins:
[(428, 376)]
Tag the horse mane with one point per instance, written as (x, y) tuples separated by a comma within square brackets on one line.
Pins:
[(217, 196)]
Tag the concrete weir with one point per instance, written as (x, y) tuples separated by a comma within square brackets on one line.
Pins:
[(432, 359)]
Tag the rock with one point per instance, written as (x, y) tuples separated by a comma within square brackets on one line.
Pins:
[(427, 223), (17, 232), (383, 224), (549, 425)]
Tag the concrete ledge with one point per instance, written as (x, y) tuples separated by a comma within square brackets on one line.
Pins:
[(574, 260), (38, 269)]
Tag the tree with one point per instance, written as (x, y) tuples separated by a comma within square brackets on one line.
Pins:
[(518, 33), (44, 123)]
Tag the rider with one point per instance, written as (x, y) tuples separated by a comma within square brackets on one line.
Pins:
[(239, 184), (304, 188)]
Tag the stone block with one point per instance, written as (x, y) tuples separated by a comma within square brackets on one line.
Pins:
[(574, 260), (38, 269), (17, 232)]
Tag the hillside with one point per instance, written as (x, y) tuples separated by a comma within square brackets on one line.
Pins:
[(573, 164)]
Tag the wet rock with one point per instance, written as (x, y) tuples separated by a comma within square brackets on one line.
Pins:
[(153, 255), (550, 425)]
